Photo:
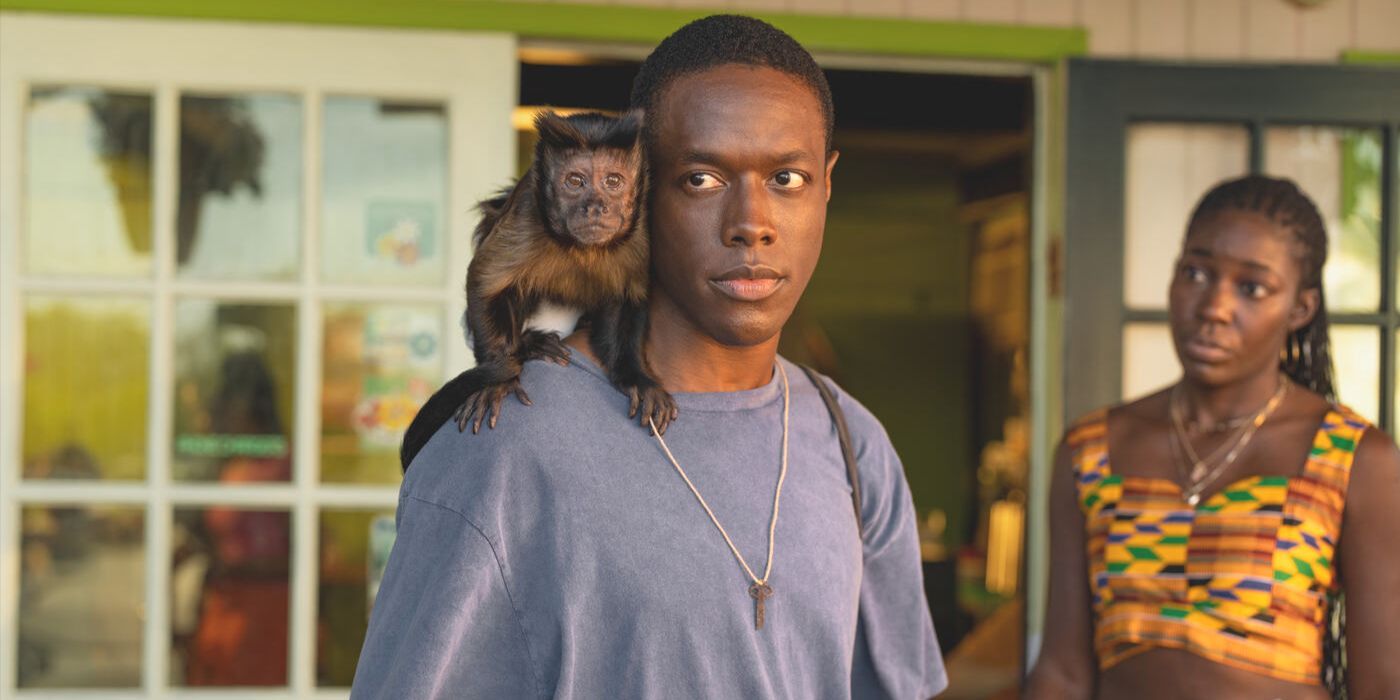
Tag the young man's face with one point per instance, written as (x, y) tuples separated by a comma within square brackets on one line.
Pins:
[(740, 182)]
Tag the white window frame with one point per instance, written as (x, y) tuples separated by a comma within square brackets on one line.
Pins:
[(473, 74)]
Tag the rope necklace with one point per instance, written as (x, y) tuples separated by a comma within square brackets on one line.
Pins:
[(759, 590), (1202, 474)]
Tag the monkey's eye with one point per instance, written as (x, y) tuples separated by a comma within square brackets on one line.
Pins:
[(613, 181), (702, 181), (789, 179), (574, 180)]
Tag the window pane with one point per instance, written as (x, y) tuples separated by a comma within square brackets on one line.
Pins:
[(1340, 169), (354, 548), (233, 391), (229, 592), (1356, 354), (86, 376), (384, 191), (1149, 360), (82, 595), (1169, 168), (240, 187), (381, 363), (87, 182)]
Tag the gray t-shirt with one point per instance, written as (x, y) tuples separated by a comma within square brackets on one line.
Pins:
[(561, 555)]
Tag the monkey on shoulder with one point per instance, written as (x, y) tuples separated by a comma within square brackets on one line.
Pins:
[(573, 232)]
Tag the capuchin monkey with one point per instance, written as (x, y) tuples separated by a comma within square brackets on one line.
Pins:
[(573, 232)]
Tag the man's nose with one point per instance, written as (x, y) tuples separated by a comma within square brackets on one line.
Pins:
[(749, 220)]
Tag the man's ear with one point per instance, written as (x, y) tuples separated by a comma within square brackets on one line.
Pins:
[(830, 164), (1305, 307)]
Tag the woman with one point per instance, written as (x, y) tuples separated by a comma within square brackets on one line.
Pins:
[(1199, 535)]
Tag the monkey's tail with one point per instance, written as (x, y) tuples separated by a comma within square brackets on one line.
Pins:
[(443, 405), (437, 410)]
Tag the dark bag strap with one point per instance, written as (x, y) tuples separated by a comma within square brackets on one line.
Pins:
[(843, 435)]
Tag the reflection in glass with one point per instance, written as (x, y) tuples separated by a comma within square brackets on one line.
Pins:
[(240, 187), (229, 593), (1340, 169), (87, 182), (1149, 359), (384, 191), (86, 375), (82, 588), (1356, 354), (1169, 168), (354, 548), (381, 363), (233, 391)]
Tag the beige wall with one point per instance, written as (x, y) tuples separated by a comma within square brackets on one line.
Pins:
[(1265, 30)]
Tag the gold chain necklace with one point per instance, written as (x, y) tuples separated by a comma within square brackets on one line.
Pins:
[(759, 590), (1202, 475)]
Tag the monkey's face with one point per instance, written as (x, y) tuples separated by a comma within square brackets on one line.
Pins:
[(595, 194)]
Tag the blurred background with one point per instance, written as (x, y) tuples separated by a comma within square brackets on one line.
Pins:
[(233, 237)]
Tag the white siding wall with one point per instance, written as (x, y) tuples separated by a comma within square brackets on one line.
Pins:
[(1263, 30)]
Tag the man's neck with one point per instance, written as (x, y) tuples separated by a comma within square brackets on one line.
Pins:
[(685, 359), (696, 363)]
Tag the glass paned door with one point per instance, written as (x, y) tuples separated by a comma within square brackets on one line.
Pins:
[(231, 260)]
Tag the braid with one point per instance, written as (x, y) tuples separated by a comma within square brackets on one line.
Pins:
[(1307, 355)]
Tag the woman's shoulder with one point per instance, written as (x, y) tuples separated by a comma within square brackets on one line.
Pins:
[(1376, 453), (1126, 415)]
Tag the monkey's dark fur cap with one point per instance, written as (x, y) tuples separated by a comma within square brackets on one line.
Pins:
[(720, 40)]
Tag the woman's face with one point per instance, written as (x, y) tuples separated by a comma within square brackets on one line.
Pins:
[(1236, 296)]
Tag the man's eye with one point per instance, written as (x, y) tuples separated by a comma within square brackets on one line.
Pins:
[(702, 181), (612, 181), (574, 180), (1192, 273), (790, 179)]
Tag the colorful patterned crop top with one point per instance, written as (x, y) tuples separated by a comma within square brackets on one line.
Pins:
[(1242, 579)]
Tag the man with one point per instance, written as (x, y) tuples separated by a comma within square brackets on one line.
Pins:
[(570, 553)]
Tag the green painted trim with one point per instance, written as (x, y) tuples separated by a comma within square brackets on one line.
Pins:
[(1384, 57), (612, 23)]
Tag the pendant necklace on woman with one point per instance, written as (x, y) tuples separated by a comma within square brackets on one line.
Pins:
[(759, 590), (1202, 473)]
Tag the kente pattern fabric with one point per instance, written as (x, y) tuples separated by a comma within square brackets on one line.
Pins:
[(1242, 579)]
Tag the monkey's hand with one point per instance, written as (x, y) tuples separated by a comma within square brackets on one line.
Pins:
[(486, 401), (651, 405), (543, 345)]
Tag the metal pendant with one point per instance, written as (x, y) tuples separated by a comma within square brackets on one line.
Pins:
[(760, 592)]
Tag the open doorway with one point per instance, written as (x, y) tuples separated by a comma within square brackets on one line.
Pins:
[(920, 308)]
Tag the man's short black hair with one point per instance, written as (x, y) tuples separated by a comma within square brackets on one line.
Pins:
[(720, 40)]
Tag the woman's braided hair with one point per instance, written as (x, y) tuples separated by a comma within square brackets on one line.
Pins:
[(1307, 355)]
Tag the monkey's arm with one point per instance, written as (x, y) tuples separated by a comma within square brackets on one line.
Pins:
[(618, 336), (500, 297)]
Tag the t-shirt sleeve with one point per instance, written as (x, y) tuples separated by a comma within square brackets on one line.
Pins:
[(896, 654), (443, 625)]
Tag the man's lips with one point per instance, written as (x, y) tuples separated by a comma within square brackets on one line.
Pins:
[(749, 282)]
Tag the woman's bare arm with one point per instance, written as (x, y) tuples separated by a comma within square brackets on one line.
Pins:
[(1369, 562)]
